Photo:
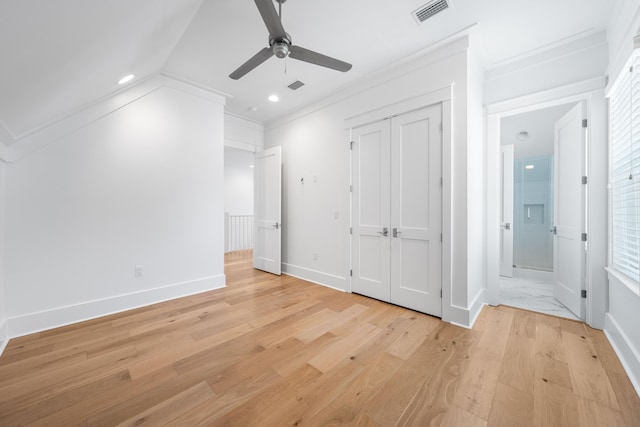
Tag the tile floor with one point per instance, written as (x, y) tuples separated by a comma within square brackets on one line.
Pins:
[(532, 294)]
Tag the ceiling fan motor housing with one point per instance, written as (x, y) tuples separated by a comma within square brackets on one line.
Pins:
[(280, 48)]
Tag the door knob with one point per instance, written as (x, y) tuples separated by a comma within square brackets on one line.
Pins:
[(506, 226), (276, 226), (554, 230), (384, 232), (396, 232)]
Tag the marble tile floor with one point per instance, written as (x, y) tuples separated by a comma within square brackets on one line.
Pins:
[(534, 295)]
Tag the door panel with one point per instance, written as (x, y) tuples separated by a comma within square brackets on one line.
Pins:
[(371, 270), (416, 206), (569, 250), (506, 221), (267, 207)]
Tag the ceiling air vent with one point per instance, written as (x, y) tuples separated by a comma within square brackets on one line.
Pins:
[(296, 85), (428, 10)]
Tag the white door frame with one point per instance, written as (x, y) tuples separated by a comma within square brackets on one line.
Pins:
[(592, 93)]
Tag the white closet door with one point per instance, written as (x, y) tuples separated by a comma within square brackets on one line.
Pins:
[(370, 210), (416, 210)]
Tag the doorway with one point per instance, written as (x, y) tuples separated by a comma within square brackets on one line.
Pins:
[(542, 262)]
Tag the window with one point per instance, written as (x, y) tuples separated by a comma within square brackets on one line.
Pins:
[(624, 170)]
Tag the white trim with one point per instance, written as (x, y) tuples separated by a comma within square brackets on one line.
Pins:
[(319, 278), (475, 308), (36, 322), (36, 139), (574, 92), (631, 284), (4, 335), (401, 107), (627, 353), (241, 145)]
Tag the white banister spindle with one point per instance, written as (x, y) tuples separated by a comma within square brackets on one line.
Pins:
[(240, 232)]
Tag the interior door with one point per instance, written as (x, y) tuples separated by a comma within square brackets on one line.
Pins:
[(506, 208), (569, 197), (371, 211), (267, 210), (416, 210)]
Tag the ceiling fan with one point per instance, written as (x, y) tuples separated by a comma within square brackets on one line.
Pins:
[(280, 44)]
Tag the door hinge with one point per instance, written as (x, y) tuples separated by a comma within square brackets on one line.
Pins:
[(584, 237), (584, 180), (584, 123), (351, 189), (441, 181), (583, 293), (440, 237), (350, 230), (350, 273), (350, 145), (440, 126), (440, 293)]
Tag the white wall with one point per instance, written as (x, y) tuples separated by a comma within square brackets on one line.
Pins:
[(315, 147), (140, 186), (579, 60), (238, 190), (4, 333), (476, 189)]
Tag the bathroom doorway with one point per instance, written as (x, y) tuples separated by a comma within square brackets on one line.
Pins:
[(532, 278)]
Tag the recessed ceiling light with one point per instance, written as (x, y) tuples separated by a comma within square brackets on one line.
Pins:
[(251, 166), (521, 136), (274, 98), (126, 79), (529, 166), (253, 109)]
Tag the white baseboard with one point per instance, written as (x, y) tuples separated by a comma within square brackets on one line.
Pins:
[(36, 322), (4, 335), (465, 317), (317, 277), (628, 355)]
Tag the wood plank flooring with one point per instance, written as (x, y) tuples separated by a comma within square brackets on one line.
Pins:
[(278, 351)]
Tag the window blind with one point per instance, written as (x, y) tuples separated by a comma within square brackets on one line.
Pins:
[(624, 158)]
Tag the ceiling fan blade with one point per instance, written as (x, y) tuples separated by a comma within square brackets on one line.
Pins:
[(252, 63), (271, 19), (306, 55)]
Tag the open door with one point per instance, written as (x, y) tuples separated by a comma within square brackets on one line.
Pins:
[(569, 200), (267, 209), (506, 212)]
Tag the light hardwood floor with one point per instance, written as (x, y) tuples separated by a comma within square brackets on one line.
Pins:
[(278, 351)]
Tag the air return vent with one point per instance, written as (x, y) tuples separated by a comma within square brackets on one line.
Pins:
[(428, 10), (296, 85)]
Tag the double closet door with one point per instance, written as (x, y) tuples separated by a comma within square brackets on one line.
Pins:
[(397, 210)]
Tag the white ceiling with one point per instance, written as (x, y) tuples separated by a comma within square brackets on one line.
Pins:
[(59, 55), (538, 124)]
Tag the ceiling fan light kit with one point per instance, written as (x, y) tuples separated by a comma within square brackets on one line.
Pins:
[(280, 44)]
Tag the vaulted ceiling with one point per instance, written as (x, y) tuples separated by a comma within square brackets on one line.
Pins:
[(59, 56)]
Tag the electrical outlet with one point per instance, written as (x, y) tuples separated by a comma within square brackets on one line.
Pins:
[(139, 270), (315, 256)]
